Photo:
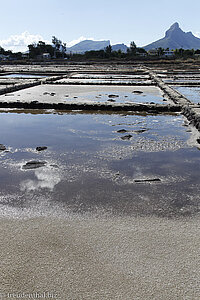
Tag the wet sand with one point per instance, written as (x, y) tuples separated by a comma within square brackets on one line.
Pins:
[(101, 257)]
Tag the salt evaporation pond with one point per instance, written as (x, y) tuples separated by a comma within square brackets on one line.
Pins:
[(124, 163), (64, 93), (24, 76), (192, 93)]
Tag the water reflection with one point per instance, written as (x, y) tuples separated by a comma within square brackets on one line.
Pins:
[(192, 93), (46, 178), (98, 169)]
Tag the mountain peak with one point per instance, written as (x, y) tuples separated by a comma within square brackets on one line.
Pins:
[(176, 38), (173, 30), (175, 26)]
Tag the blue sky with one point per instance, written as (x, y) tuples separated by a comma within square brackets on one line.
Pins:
[(117, 20)]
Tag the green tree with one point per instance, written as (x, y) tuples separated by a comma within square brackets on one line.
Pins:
[(132, 48), (57, 44), (160, 51)]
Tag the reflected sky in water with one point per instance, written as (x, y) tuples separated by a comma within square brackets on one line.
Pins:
[(192, 93), (91, 164)]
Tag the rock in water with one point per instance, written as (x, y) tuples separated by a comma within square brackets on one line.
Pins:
[(147, 180), (34, 165), (111, 100), (137, 92), (41, 148), (126, 137), (113, 96), (122, 130), (2, 147)]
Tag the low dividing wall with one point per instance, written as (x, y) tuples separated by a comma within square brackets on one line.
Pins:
[(21, 86), (173, 95), (192, 113), (150, 108), (190, 110)]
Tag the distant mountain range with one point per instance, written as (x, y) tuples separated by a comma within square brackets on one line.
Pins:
[(176, 38), (89, 45)]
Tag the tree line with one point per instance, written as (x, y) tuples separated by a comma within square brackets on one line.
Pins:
[(58, 50)]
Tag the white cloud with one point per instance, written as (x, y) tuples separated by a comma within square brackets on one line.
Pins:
[(20, 42)]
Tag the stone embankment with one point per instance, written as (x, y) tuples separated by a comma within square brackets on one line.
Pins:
[(20, 86), (95, 106), (190, 111), (173, 95)]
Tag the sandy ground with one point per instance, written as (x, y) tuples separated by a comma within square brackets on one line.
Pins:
[(100, 258)]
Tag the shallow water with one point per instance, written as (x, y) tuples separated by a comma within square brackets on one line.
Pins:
[(87, 93), (92, 162), (24, 76), (192, 93)]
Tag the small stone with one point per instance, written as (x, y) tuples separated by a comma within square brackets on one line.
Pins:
[(140, 131), (122, 130), (113, 96), (33, 165), (2, 147), (137, 92), (147, 180), (41, 148), (126, 137), (111, 100)]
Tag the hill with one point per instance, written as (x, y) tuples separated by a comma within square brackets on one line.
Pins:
[(88, 45)]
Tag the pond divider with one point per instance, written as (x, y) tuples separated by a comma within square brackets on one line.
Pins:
[(21, 86), (189, 110), (103, 106)]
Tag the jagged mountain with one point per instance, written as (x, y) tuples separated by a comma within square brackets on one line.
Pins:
[(88, 45), (176, 38)]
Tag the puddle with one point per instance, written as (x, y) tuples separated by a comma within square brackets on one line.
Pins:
[(88, 166), (192, 93)]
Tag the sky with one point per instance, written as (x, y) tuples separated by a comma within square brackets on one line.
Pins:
[(23, 22)]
